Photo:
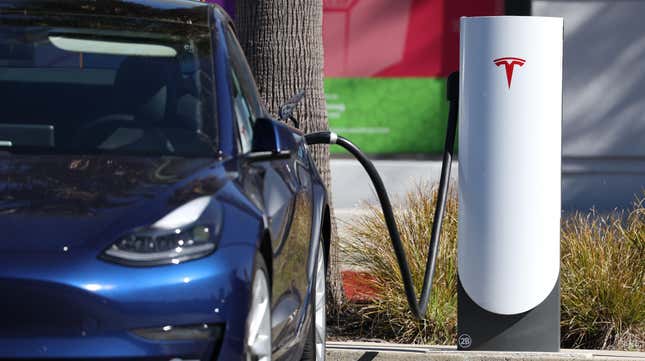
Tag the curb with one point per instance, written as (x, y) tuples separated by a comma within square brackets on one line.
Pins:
[(362, 351)]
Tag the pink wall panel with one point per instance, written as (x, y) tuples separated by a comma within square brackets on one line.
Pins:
[(402, 38)]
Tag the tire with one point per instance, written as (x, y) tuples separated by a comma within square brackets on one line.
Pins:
[(315, 344), (258, 324)]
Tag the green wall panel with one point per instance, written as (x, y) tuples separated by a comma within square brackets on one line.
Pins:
[(389, 115)]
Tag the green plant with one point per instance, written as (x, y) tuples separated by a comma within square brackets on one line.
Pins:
[(369, 247), (602, 276)]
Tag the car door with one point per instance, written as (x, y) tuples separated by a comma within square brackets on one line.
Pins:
[(283, 189)]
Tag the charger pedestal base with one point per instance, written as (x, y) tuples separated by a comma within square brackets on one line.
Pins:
[(534, 330)]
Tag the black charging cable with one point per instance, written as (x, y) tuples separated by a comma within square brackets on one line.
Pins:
[(418, 308)]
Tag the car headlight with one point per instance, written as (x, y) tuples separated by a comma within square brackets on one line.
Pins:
[(180, 236)]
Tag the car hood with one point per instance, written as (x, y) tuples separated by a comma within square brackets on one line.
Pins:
[(52, 202)]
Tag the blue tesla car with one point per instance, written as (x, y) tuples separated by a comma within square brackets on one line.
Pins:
[(150, 209)]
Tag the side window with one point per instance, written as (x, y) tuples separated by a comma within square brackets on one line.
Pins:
[(243, 116), (245, 97), (244, 74)]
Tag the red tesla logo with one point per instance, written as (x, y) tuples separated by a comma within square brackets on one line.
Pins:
[(509, 63)]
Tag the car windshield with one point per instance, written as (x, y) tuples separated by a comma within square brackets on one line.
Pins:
[(86, 91)]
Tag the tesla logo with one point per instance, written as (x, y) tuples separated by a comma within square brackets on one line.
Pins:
[(509, 63)]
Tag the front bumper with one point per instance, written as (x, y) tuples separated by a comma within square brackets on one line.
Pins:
[(75, 306)]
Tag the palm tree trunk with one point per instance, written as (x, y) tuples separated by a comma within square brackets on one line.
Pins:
[(282, 40)]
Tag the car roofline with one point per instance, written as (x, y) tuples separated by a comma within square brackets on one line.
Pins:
[(188, 12)]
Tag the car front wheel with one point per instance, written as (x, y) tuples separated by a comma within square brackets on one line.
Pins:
[(258, 324)]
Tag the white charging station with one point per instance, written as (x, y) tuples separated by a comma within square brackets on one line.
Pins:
[(510, 120)]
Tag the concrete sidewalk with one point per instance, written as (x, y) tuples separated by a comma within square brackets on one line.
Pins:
[(351, 185), (367, 351)]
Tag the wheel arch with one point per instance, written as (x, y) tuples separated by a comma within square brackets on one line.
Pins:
[(266, 251), (326, 233)]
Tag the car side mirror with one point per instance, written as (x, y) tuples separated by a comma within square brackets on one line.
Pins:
[(271, 140)]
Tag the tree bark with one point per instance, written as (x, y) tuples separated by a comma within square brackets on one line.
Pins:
[(282, 40)]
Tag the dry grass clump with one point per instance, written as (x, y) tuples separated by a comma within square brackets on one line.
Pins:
[(369, 247), (602, 276), (603, 279)]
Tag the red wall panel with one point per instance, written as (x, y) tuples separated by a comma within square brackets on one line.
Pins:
[(402, 38)]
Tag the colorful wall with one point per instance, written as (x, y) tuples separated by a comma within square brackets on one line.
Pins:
[(228, 5), (386, 63)]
